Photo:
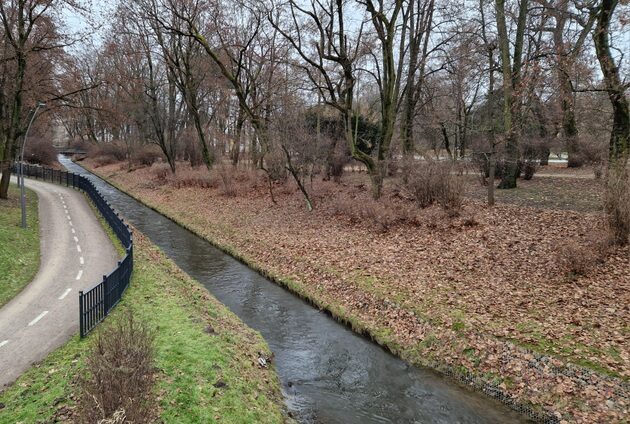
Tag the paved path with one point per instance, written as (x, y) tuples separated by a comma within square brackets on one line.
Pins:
[(75, 254)]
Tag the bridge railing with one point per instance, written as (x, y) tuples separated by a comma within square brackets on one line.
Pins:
[(95, 303)]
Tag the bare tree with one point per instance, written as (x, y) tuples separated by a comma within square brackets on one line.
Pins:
[(619, 148), (511, 66)]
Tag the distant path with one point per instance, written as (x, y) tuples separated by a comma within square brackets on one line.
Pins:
[(75, 254)]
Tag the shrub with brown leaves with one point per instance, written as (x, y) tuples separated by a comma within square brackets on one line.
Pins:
[(120, 374)]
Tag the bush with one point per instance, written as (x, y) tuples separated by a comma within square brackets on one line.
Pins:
[(434, 182), (146, 155), (528, 169), (120, 374), (370, 212), (617, 204), (190, 179), (580, 258), (40, 151), (336, 166), (226, 175), (107, 153), (161, 171)]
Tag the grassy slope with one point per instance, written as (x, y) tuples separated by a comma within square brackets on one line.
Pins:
[(198, 343), (19, 248)]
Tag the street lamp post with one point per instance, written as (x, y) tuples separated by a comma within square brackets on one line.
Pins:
[(21, 165)]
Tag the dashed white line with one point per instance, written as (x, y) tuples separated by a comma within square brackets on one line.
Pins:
[(64, 206), (70, 222), (68, 216), (2, 343), (78, 248), (79, 274), (73, 232), (40, 316), (65, 294), (81, 260), (76, 239)]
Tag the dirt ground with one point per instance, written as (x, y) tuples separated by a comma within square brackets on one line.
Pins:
[(485, 292)]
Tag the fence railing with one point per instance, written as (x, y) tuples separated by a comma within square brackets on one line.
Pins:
[(95, 303)]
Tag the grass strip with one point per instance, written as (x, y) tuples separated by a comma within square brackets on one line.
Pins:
[(19, 247)]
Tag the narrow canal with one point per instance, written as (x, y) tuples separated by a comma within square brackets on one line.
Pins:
[(328, 373)]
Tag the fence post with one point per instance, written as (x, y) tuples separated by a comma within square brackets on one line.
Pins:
[(105, 296), (81, 313)]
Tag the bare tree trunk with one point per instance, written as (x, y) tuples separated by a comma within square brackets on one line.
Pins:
[(619, 147), (511, 80), (238, 131)]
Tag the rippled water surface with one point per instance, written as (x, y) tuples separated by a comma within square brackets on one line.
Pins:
[(328, 373)]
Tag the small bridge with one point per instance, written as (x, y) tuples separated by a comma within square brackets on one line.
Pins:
[(69, 151)]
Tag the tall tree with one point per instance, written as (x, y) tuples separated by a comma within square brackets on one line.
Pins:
[(27, 27), (511, 66), (619, 147)]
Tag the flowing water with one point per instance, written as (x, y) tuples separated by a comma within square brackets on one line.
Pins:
[(329, 374)]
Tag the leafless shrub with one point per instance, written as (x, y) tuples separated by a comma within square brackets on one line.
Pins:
[(226, 176), (591, 152), (579, 258), (145, 155), (369, 212), (191, 178), (434, 182), (107, 153), (247, 179), (275, 162), (336, 166), (529, 168), (40, 151), (119, 374), (161, 171), (375, 214), (617, 204)]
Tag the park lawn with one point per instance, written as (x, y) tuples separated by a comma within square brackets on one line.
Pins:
[(19, 248), (198, 344)]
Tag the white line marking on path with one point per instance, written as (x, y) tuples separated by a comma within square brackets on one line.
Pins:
[(70, 223), (64, 206), (79, 274), (2, 343), (68, 216), (40, 316), (81, 260), (78, 248), (72, 229), (76, 239), (64, 294)]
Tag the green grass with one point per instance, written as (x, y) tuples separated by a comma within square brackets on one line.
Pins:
[(198, 343), (19, 248)]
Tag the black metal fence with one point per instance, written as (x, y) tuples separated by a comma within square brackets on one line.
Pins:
[(95, 303)]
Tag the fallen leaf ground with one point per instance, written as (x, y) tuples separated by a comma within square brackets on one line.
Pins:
[(482, 293)]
